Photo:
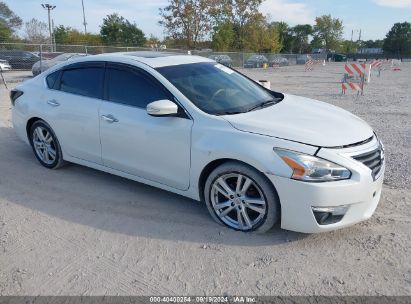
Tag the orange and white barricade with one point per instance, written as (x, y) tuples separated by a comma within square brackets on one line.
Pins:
[(309, 65), (355, 69), (395, 65), (377, 64), (354, 78), (357, 87)]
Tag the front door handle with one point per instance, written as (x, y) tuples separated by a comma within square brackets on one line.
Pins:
[(53, 102), (109, 118)]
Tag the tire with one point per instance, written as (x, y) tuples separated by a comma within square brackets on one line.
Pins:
[(261, 216), (45, 145)]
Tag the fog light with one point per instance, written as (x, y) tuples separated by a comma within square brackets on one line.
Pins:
[(329, 215)]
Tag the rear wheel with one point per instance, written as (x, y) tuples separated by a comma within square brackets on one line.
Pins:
[(45, 145), (241, 198)]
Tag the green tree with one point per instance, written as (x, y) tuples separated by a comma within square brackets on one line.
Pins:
[(118, 30), (348, 46), (61, 34), (242, 13), (301, 33), (398, 40), (68, 35), (261, 37), (316, 43), (329, 31), (223, 37), (286, 38), (189, 20), (372, 43), (9, 22)]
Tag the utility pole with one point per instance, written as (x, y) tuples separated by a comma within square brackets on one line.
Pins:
[(84, 18), (54, 36), (49, 8)]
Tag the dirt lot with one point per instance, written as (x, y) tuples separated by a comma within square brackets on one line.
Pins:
[(77, 231)]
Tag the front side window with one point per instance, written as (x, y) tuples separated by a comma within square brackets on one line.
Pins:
[(86, 81), (131, 87), (216, 89), (51, 79)]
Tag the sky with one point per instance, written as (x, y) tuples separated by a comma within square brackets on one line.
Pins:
[(373, 17)]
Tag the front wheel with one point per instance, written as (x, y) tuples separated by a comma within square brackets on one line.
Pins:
[(45, 145), (241, 198)]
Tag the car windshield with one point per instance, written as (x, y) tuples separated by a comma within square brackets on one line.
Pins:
[(216, 89)]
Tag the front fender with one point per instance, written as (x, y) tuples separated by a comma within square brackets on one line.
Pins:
[(222, 141)]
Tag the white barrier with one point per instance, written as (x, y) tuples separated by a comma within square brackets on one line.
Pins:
[(265, 83)]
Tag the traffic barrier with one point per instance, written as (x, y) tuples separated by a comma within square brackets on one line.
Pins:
[(355, 69), (265, 83), (395, 65), (376, 64), (309, 65), (354, 86), (354, 78)]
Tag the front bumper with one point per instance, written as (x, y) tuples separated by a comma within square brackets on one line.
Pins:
[(360, 193)]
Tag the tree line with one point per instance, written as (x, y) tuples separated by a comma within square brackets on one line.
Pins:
[(222, 25)]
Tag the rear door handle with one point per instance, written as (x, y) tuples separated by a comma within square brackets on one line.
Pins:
[(109, 118), (53, 102)]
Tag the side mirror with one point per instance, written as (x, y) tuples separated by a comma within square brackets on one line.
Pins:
[(162, 108)]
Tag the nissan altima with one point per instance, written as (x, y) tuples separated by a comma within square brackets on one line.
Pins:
[(192, 126)]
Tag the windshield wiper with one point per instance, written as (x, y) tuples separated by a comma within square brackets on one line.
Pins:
[(228, 112), (263, 104)]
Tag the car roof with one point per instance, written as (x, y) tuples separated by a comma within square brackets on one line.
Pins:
[(150, 58)]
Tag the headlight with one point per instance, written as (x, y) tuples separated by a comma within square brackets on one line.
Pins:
[(312, 169)]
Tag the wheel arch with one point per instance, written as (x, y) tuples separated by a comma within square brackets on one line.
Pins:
[(29, 123), (218, 162)]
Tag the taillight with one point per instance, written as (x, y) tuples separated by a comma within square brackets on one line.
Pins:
[(14, 94)]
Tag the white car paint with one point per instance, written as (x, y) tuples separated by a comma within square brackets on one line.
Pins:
[(176, 151), (304, 120), (4, 65), (160, 135)]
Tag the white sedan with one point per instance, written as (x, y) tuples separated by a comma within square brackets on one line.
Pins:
[(192, 126), (4, 65)]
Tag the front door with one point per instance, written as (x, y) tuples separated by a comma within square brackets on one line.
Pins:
[(154, 148)]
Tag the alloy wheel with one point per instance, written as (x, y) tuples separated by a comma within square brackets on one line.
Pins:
[(238, 201), (44, 145)]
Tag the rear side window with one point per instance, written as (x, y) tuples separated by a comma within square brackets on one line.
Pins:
[(51, 79), (133, 88), (87, 81)]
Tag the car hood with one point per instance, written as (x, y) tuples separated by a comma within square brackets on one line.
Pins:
[(304, 120)]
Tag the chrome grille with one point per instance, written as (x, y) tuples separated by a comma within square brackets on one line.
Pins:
[(373, 159)]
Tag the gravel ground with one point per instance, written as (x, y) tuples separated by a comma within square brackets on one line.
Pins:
[(77, 231)]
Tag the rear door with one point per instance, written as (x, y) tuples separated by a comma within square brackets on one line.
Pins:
[(72, 106), (155, 148)]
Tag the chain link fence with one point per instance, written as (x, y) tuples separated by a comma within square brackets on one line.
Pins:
[(24, 56)]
